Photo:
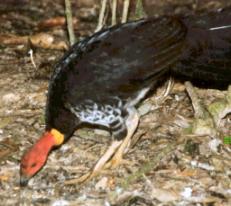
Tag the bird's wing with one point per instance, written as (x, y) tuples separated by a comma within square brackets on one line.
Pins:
[(123, 59)]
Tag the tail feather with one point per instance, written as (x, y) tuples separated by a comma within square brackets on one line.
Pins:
[(207, 52)]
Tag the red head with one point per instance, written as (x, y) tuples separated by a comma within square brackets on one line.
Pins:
[(34, 159)]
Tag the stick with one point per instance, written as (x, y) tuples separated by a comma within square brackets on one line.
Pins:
[(114, 7), (139, 13), (101, 15), (69, 21), (125, 11)]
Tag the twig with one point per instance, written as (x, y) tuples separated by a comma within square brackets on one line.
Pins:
[(114, 8), (101, 15), (69, 21), (166, 92), (169, 87), (32, 58), (139, 13), (79, 180), (125, 11), (199, 110)]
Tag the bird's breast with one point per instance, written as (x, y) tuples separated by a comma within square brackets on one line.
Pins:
[(92, 112)]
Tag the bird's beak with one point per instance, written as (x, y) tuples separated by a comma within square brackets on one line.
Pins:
[(24, 180)]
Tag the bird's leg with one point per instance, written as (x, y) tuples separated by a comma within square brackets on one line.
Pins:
[(117, 148), (104, 159), (132, 122)]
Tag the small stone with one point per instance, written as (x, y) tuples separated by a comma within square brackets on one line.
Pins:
[(214, 144), (101, 184), (60, 203), (119, 190), (10, 98), (187, 193)]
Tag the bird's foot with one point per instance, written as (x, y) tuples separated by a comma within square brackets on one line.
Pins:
[(116, 160), (102, 162), (117, 157)]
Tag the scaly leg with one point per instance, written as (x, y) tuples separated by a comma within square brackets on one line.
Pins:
[(118, 148), (132, 123), (104, 159)]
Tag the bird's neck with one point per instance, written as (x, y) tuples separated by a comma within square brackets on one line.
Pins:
[(49, 140)]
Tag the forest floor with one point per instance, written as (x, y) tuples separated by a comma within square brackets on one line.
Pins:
[(171, 164)]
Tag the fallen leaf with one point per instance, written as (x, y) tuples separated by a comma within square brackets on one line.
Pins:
[(164, 195), (55, 21)]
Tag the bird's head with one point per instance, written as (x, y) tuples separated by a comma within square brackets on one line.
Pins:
[(35, 158)]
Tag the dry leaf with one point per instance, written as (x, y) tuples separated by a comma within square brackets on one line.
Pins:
[(56, 21)]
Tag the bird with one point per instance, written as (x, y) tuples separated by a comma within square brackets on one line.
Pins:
[(101, 79)]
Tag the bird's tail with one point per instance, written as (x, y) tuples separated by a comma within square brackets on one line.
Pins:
[(206, 56)]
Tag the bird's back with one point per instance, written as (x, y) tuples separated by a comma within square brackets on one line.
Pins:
[(120, 60)]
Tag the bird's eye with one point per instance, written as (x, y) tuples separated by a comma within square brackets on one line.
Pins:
[(23, 166), (33, 165)]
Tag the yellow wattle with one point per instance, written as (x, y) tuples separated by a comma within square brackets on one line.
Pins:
[(58, 137)]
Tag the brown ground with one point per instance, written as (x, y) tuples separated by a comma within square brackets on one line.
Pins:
[(170, 164)]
